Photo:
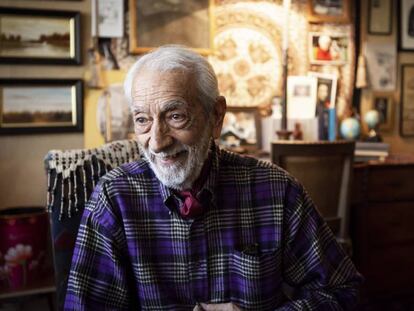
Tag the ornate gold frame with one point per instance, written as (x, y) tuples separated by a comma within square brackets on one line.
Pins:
[(134, 47)]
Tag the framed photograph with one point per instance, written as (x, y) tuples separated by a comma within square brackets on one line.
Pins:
[(380, 17), (382, 66), (301, 97), (29, 36), (241, 129), (383, 103), (333, 11), (328, 49), (40, 106), (107, 18), (184, 22), (406, 25), (407, 103), (325, 88)]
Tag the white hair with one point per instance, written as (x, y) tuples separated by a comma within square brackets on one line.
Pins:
[(176, 57)]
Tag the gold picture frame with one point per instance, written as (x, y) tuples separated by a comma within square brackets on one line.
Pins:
[(383, 102), (319, 12), (151, 26)]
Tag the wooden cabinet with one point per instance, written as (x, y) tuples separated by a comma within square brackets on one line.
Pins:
[(382, 226)]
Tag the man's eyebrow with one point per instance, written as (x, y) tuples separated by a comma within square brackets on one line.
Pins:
[(174, 104), (138, 109)]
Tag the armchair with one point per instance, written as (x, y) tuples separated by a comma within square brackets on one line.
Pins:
[(72, 175), (325, 170)]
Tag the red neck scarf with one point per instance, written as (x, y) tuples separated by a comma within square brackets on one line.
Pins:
[(192, 207)]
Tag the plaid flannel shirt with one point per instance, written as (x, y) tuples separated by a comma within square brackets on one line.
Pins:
[(259, 238)]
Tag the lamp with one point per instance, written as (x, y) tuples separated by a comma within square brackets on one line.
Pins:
[(283, 133)]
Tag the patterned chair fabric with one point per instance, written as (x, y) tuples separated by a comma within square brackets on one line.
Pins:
[(72, 176)]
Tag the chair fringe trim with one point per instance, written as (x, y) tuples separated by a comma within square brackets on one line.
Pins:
[(66, 163)]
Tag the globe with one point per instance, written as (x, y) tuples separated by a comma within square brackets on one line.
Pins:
[(350, 128), (372, 119)]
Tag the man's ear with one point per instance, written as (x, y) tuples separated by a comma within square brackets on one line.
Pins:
[(219, 112)]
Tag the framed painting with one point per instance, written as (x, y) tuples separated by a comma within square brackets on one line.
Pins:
[(241, 130), (184, 22), (383, 103), (329, 11), (380, 17), (406, 25), (407, 103), (29, 36), (40, 106), (328, 49)]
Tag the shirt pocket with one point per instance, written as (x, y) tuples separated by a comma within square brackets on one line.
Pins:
[(255, 280)]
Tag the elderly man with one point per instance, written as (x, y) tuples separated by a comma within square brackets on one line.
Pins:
[(193, 227)]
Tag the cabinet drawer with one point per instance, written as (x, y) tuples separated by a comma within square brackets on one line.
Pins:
[(390, 183), (390, 224)]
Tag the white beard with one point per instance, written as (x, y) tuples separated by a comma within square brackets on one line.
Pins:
[(181, 174)]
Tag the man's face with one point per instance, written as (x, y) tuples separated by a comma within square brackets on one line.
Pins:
[(171, 126)]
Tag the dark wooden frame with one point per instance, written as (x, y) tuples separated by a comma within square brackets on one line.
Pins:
[(388, 123), (255, 112), (318, 18), (400, 31), (389, 30), (135, 48), (76, 127), (71, 15), (403, 78)]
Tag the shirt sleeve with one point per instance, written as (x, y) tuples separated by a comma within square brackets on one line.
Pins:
[(98, 276), (317, 269)]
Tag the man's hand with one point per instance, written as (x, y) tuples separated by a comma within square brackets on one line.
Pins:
[(217, 307)]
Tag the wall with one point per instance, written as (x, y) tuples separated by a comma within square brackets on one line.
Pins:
[(22, 176), (398, 144)]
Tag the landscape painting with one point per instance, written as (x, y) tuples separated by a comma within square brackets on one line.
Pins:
[(28, 107), (35, 37)]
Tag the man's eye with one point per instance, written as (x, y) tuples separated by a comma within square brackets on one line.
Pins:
[(141, 120), (177, 117)]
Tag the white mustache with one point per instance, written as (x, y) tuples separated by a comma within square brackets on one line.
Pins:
[(164, 154)]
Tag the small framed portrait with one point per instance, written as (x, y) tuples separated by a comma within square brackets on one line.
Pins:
[(185, 22), (380, 17), (406, 25), (301, 97), (328, 49), (334, 11), (407, 103), (383, 103), (241, 130), (325, 88), (29, 36), (40, 106)]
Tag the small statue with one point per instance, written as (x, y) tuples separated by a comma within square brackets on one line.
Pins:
[(297, 132)]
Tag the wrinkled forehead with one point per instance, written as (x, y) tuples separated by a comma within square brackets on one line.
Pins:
[(149, 85)]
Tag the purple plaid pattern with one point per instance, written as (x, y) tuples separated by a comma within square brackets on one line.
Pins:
[(260, 244)]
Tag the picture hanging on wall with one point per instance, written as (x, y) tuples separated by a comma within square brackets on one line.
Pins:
[(40, 106), (325, 11), (406, 25), (241, 129), (382, 66), (29, 36), (407, 104), (383, 103), (380, 17), (185, 22), (328, 49)]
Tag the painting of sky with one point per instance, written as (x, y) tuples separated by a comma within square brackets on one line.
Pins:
[(42, 99)]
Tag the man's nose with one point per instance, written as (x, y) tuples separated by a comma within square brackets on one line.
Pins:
[(160, 138)]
